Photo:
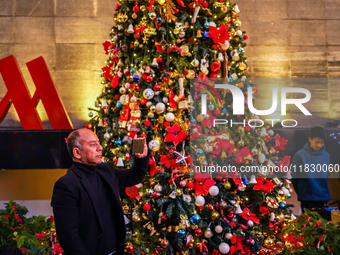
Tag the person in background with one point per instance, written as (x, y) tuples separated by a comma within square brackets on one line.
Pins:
[(86, 204), (312, 187)]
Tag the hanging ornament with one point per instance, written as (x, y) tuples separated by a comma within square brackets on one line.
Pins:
[(199, 200), (135, 216), (169, 116), (182, 183), (120, 162), (148, 94), (199, 33), (129, 248), (107, 136), (224, 248), (187, 198), (213, 190), (215, 66), (181, 233), (160, 107), (130, 29), (218, 229), (152, 15), (195, 219), (154, 145), (164, 243), (195, 62), (214, 215), (252, 179), (198, 232)]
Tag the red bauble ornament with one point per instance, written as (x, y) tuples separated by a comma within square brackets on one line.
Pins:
[(215, 66), (156, 195), (205, 4), (143, 135), (198, 232), (174, 47), (126, 71), (182, 183), (213, 76), (190, 185), (146, 207), (118, 6), (143, 101), (217, 111), (116, 97), (136, 88), (88, 125), (129, 248), (247, 128), (219, 178), (176, 11), (157, 87), (245, 37), (166, 124), (144, 76), (147, 123), (165, 79), (149, 78), (135, 8), (159, 59)]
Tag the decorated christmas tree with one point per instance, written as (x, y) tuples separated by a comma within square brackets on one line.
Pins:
[(164, 58)]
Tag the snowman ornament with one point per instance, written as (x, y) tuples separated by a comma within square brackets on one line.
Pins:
[(204, 66)]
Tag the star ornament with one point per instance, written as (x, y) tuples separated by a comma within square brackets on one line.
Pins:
[(181, 158), (175, 134)]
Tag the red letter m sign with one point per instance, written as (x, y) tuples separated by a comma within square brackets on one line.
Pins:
[(25, 105)]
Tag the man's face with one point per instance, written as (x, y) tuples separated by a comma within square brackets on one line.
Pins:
[(91, 154), (316, 143)]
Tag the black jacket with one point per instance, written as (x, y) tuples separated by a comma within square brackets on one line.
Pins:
[(76, 207)]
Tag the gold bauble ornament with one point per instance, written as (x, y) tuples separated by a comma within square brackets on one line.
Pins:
[(224, 9), (134, 15), (179, 192), (268, 242), (214, 215), (227, 185), (142, 8), (199, 118), (255, 151)]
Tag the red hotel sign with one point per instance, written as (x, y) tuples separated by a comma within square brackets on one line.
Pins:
[(19, 95)]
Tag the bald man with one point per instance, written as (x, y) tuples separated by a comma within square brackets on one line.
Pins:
[(86, 204)]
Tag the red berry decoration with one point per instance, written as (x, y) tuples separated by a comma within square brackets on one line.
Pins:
[(143, 101), (157, 87), (136, 88), (217, 111), (146, 207), (88, 125), (156, 195), (205, 4), (129, 248), (165, 79), (116, 97), (147, 123)]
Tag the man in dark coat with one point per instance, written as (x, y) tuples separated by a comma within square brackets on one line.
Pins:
[(86, 205)]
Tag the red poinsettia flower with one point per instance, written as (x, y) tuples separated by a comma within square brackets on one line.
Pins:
[(107, 46), (219, 35), (247, 215), (106, 72), (168, 160), (284, 162), (280, 143), (175, 134), (202, 183), (242, 154), (267, 138), (264, 185), (195, 132)]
